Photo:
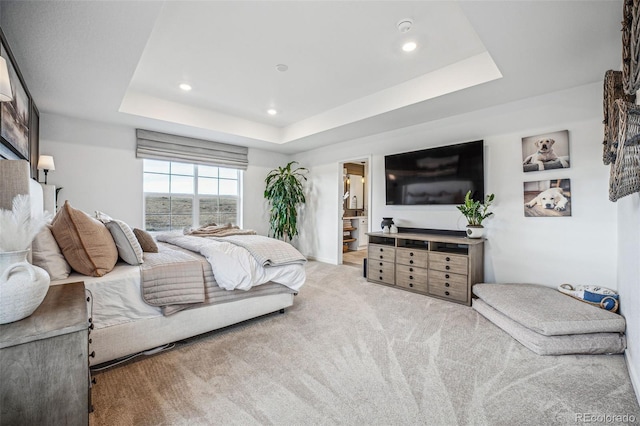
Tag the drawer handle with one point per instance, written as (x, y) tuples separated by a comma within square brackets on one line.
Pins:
[(410, 284), (446, 276), (380, 278), (447, 267), (381, 249), (446, 293), (380, 263), (381, 257), (410, 277), (410, 269), (448, 259), (411, 254), (92, 354), (380, 270), (411, 262), (446, 284)]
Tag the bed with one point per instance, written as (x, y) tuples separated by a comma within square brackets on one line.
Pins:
[(124, 324)]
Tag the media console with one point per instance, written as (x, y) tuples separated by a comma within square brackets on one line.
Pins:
[(440, 266)]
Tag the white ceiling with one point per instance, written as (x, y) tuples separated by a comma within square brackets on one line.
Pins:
[(121, 62)]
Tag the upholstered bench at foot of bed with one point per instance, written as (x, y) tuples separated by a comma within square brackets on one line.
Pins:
[(549, 322)]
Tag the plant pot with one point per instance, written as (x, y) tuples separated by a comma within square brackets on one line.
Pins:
[(386, 221), (475, 231), (22, 286)]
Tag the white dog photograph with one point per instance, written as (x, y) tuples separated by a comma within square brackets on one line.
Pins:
[(547, 198), (545, 152)]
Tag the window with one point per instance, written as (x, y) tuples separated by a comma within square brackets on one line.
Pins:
[(179, 195)]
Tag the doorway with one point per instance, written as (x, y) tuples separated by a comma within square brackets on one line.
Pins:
[(354, 211)]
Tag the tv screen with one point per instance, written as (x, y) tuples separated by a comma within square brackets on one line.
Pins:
[(440, 175)]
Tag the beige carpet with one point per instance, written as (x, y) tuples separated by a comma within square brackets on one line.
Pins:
[(352, 352)]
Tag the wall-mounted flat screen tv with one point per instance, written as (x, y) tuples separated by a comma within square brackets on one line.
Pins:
[(440, 175)]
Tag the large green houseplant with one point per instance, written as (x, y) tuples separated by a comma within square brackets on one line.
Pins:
[(475, 212), (285, 193)]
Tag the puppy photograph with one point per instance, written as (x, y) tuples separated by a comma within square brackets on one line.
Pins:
[(550, 198), (545, 152)]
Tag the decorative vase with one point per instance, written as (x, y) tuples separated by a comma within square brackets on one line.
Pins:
[(386, 221), (22, 286), (475, 231), (385, 230), (393, 229)]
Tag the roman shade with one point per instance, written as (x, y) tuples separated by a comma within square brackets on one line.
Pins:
[(162, 146)]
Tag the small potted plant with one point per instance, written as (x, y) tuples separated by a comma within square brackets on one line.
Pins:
[(475, 212)]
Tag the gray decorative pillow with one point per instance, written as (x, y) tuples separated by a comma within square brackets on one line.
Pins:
[(128, 246)]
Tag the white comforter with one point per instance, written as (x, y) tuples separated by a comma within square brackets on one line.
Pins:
[(234, 268)]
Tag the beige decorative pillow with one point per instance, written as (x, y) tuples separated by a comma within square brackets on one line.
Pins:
[(47, 255), (146, 241), (85, 242)]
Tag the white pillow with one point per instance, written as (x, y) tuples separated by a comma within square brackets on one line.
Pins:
[(46, 254), (129, 248)]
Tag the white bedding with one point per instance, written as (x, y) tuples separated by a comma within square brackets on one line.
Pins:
[(234, 267), (116, 296)]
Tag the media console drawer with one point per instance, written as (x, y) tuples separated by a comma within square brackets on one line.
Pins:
[(440, 266)]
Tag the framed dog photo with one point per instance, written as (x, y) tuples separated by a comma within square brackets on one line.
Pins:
[(547, 198), (545, 152)]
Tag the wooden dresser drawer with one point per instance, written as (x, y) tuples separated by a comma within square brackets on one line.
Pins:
[(452, 292), (448, 262), (381, 252), (406, 256), (442, 277), (381, 271), (412, 277)]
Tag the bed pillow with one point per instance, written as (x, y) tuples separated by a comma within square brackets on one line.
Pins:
[(47, 255), (128, 246), (146, 241), (85, 242)]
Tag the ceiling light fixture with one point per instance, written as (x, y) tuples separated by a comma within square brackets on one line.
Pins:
[(184, 86), (409, 46), (282, 67), (272, 111)]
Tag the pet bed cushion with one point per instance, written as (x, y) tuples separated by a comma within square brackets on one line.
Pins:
[(588, 343), (547, 311)]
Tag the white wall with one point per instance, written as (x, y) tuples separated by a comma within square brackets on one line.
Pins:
[(629, 279), (580, 249), (97, 167)]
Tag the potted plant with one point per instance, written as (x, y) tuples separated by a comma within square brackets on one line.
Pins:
[(284, 191), (475, 212)]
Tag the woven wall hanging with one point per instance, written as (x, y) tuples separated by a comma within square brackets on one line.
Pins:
[(631, 46), (625, 167), (612, 90)]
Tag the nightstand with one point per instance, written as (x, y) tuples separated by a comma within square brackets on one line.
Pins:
[(44, 368)]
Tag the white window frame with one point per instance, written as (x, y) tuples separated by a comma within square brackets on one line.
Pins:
[(195, 215)]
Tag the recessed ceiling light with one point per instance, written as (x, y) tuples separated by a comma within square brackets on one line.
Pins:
[(272, 111), (184, 86), (282, 67), (409, 46)]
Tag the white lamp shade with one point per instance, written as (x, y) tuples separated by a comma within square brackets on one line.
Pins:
[(45, 162), (5, 84)]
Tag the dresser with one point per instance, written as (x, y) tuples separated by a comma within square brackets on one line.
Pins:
[(44, 362), (440, 266)]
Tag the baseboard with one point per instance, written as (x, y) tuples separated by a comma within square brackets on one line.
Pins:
[(634, 374), (322, 259)]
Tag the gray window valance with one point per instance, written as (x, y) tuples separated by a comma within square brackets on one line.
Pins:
[(162, 146)]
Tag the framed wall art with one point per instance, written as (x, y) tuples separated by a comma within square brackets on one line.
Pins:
[(547, 198), (545, 152), (17, 140)]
